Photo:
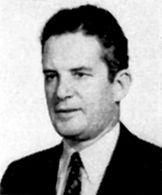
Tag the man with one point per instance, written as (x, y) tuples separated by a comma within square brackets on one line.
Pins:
[(85, 65)]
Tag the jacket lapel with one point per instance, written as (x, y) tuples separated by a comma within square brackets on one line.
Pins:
[(118, 172)]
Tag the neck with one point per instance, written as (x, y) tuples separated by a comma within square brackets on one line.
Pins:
[(79, 145)]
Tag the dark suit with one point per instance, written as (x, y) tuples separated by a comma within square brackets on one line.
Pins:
[(135, 169)]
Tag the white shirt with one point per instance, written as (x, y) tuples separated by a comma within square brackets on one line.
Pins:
[(95, 158)]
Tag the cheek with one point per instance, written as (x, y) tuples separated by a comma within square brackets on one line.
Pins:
[(49, 91), (92, 99), (98, 100)]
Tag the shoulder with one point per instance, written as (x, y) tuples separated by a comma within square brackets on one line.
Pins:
[(138, 149), (30, 172), (134, 141), (135, 166), (38, 158)]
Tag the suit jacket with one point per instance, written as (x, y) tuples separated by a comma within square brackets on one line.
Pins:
[(134, 169)]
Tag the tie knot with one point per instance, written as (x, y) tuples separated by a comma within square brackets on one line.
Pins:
[(75, 160)]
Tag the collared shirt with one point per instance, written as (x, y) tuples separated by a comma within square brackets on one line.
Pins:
[(95, 158)]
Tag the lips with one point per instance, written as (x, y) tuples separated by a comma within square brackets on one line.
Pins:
[(68, 110), (66, 113)]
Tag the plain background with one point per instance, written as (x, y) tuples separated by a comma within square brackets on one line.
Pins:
[(24, 122)]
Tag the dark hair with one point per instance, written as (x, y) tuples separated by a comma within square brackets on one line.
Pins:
[(94, 21)]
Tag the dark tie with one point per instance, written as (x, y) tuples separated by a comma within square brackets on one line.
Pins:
[(73, 185)]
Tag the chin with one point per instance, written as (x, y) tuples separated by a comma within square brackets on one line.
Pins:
[(71, 127), (68, 130)]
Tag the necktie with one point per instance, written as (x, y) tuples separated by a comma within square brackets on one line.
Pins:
[(73, 185)]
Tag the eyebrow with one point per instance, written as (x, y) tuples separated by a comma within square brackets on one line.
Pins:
[(82, 68), (48, 71)]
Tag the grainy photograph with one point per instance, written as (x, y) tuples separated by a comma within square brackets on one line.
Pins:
[(81, 97)]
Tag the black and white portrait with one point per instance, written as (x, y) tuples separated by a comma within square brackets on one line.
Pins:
[(81, 97)]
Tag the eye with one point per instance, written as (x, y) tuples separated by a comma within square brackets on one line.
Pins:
[(80, 75), (50, 75)]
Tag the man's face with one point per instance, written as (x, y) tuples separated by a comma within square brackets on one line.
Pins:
[(79, 95)]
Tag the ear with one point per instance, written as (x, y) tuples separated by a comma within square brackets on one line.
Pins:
[(121, 84)]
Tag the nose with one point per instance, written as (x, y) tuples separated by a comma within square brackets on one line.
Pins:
[(64, 89)]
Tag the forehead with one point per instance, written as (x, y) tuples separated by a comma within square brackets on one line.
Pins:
[(72, 48)]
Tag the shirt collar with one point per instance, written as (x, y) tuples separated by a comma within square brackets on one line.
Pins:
[(96, 156)]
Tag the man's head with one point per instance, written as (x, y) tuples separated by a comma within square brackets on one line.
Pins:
[(85, 66), (97, 22)]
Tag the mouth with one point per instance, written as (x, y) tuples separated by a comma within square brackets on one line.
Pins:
[(66, 113), (70, 110)]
